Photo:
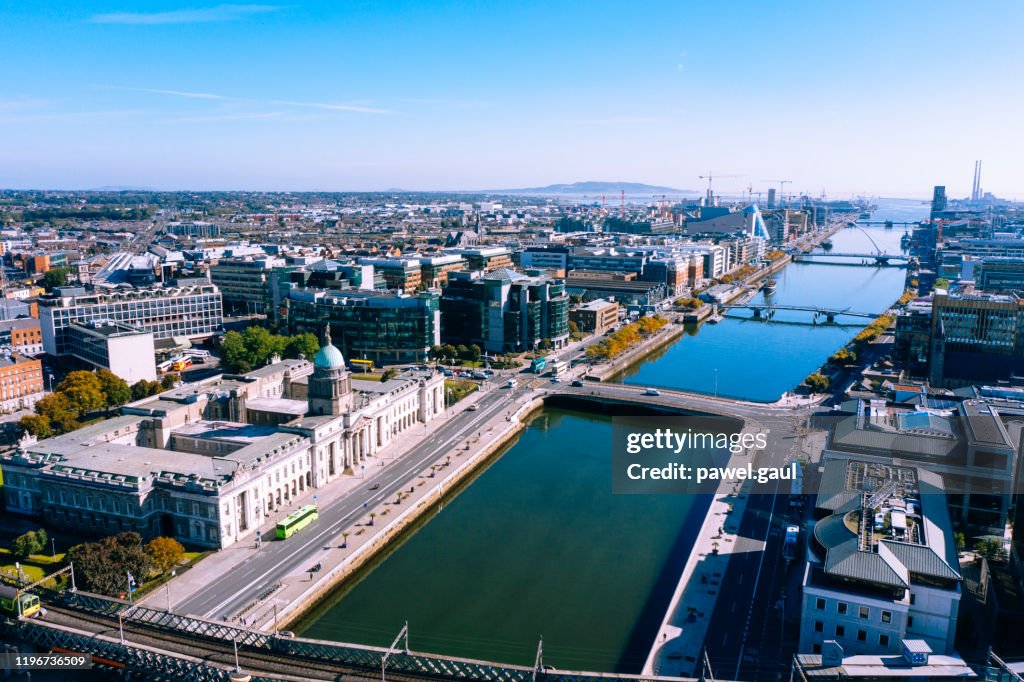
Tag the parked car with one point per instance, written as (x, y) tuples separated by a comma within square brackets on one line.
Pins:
[(577, 383)]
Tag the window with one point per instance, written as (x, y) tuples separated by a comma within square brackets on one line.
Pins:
[(842, 608), (819, 626), (820, 604), (910, 621), (865, 612), (815, 648), (886, 616), (883, 640), (840, 631), (862, 635), (911, 598)]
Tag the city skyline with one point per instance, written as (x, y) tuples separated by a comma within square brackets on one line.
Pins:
[(477, 96)]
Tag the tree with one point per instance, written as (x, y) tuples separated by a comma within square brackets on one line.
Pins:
[(388, 374), (57, 277), (234, 355), (36, 424), (817, 382), (26, 544), (57, 410), (261, 345), (143, 388), (990, 548), (305, 345), (474, 353), (103, 566), (166, 553), (115, 389), (83, 390), (462, 352), (168, 381), (961, 541), (573, 328)]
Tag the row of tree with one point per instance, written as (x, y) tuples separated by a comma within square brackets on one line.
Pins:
[(244, 351), (82, 393), (103, 566), (625, 338)]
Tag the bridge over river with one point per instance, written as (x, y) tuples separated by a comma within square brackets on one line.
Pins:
[(767, 310)]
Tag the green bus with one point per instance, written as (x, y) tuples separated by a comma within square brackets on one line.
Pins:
[(296, 521)]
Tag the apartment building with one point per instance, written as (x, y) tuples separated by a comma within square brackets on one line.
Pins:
[(23, 335), (21, 382)]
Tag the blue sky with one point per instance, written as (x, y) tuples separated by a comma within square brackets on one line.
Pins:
[(875, 97)]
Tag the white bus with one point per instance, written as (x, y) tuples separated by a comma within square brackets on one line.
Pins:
[(558, 367)]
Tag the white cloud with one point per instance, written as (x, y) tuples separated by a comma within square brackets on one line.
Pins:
[(185, 16), (329, 106)]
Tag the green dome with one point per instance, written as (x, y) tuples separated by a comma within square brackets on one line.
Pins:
[(329, 357)]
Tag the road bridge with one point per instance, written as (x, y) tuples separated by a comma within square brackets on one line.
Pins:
[(767, 310), (875, 259)]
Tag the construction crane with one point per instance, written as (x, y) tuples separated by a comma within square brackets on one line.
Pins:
[(709, 177)]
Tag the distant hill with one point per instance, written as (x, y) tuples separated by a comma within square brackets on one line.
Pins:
[(596, 187)]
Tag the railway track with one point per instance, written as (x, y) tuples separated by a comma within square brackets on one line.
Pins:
[(221, 653)]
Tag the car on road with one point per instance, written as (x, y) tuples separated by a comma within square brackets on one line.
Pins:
[(478, 375), (577, 383), (652, 391), (556, 380), (473, 408), (511, 383)]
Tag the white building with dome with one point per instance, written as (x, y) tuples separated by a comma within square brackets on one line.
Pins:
[(211, 462)]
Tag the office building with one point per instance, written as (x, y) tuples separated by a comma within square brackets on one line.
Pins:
[(485, 259), (938, 200), (188, 308), (400, 274), (371, 325), (246, 284), (126, 351), (883, 562), (969, 445), (504, 311), (976, 339), (915, 662), (434, 271), (595, 317)]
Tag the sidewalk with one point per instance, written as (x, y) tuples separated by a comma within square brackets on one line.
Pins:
[(680, 639)]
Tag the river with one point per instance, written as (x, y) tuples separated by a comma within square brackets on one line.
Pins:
[(538, 545)]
